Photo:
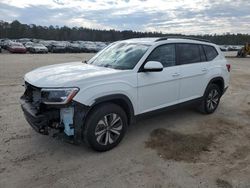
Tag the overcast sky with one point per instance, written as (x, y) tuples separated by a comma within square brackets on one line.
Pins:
[(169, 16)]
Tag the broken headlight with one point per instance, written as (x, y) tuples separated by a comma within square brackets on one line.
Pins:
[(58, 95)]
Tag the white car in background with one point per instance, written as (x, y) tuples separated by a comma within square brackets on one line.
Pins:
[(28, 45), (38, 48)]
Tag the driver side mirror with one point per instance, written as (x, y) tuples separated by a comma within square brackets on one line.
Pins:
[(153, 66)]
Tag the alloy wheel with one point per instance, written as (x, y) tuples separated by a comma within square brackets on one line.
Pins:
[(213, 99), (108, 129)]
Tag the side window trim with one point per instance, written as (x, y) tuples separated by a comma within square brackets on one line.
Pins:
[(177, 54), (201, 46)]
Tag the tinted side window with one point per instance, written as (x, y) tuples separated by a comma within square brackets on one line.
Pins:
[(189, 53), (164, 54), (211, 52)]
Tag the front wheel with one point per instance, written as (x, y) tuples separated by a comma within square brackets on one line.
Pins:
[(105, 127), (211, 99)]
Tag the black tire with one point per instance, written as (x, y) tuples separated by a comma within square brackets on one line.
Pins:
[(241, 53), (103, 125), (211, 99)]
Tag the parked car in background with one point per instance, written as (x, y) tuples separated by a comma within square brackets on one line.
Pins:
[(0, 49), (23, 40), (36, 40), (58, 47), (234, 48), (6, 43), (28, 45), (91, 46), (47, 43), (38, 48), (1, 42), (230, 47), (15, 47), (83, 46), (74, 48), (100, 46), (223, 48)]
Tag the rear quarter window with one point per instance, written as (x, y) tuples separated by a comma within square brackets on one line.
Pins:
[(211, 52)]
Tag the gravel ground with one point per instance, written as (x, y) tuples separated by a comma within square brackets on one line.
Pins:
[(180, 148)]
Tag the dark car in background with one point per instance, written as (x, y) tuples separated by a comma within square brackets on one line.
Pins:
[(15, 47), (5, 43), (1, 42)]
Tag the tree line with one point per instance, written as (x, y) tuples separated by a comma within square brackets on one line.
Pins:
[(16, 30)]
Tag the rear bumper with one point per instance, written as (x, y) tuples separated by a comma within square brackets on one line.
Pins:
[(40, 51), (58, 50), (17, 50)]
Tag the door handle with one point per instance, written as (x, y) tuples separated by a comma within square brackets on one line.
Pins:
[(176, 74), (204, 70)]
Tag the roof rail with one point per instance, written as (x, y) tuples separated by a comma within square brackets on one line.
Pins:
[(181, 37)]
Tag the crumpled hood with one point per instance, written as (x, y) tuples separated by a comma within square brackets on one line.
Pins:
[(65, 75)]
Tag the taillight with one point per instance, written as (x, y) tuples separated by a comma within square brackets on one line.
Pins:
[(228, 67)]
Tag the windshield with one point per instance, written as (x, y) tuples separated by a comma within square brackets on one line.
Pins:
[(120, 56)]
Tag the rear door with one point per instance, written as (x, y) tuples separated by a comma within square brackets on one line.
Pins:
[(193, 70)]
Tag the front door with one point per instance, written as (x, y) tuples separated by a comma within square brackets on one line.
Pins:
[(159, 89)]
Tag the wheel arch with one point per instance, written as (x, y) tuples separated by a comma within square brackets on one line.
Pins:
[(219, 81), (121, 100)]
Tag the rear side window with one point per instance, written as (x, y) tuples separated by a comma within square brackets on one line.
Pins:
[(189, 53), (211, 52), (164, 54)]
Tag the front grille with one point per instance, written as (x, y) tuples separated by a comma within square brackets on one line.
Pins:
[(32, 94)]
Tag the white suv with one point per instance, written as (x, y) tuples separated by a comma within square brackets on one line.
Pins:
[(95, 101)]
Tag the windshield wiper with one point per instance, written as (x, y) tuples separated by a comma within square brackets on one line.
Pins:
[(106, 65)]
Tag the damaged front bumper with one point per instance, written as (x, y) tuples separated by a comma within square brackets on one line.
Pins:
[(67, 119)]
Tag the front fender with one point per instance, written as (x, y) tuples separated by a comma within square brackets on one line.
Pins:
[(88, 95)]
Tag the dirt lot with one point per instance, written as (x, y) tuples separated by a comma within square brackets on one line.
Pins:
[(179, 148)]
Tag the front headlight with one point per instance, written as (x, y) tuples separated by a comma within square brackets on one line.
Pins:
[(58, 96)]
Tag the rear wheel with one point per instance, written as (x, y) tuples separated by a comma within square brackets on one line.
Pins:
[(105, 127), (211, 99)]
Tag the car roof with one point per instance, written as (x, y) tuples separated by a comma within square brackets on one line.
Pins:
[(149, 40), (154, 40)]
